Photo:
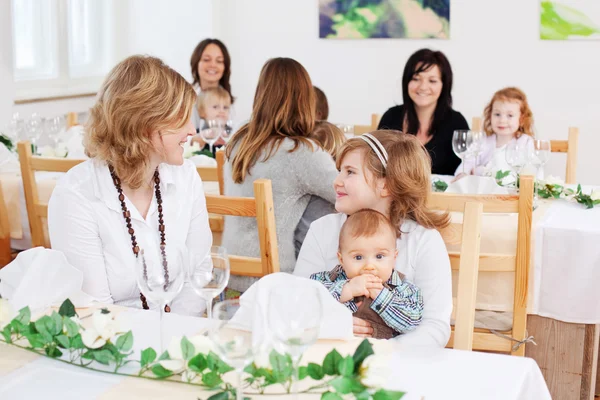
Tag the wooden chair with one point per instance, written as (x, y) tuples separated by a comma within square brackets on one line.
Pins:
[(5, 252), (360, 129), (568, 146), (477, 124), (220, 156), (37, 211), (72, 119), (261, 207), (522, 204)]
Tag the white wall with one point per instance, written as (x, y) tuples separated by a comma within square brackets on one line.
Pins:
[(493, 44)]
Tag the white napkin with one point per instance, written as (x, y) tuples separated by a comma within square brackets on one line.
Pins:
[(41, 278), (74, 142), (8, 161), (203, 161), (336, 322), (473, 184)]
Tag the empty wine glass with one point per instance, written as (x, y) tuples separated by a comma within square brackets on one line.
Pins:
[(209, 276), (461, 143), (517, 155), (33, 127), (540, 153), (228, 131), (294, 318), (212, 132), (160, 277), (235, 347), (477, 145), (54, 127)]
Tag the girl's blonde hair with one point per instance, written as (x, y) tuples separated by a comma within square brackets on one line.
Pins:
[(213, 93), (407, 176), (284, 108), (510, 95), (329, 136), (140, 95)]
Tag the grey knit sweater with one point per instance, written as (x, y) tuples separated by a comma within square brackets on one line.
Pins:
[(294, 177)]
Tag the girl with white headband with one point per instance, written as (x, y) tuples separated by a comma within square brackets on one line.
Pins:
[(390, 173)]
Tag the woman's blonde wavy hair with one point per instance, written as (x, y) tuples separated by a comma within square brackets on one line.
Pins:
[(284, 107), (140, 95), (407, 176)]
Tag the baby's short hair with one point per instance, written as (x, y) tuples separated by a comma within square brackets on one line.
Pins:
[(217, 92), (365, 223)]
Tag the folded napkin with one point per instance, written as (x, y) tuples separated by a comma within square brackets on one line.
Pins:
[(336, 322), (473, 184), (8, 160), (74, 142), (203, 161), (41, 278)]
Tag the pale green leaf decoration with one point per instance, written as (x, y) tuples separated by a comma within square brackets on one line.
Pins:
[(560, 22)]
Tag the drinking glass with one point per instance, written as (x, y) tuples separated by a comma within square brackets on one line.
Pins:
[(294, 318), (160, 283), (235, 347), (478, 142), (228, 131), (540, 153), (517, 155), (33, 127), (461, 143), (212, 132), (54, 127), (210, 275)]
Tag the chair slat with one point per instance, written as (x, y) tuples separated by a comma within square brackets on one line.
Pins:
[(487, 341), (220, 156), (559, 146), (491, 203), (487, 262), (245, 266), (235, 206), (208, 174)]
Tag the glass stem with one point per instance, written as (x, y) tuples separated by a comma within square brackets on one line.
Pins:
[(209, 302), (239, 393), (296, 374), (161, 330)]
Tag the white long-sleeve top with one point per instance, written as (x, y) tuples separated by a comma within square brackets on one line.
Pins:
[(86, 223), (422, 258)]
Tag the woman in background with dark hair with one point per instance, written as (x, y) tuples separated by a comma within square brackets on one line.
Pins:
[(211, 67), (427, 110)]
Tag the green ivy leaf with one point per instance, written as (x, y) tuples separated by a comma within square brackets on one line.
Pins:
[(18, 327), (164, 356), (6, 333), (198, 363), (187, 348), (58, 323), (24, 316), (387, 395), (501, 175), (45, 326), (70, 326), (125, 342), (67, 309), (346, 366), (342, 384), (77, 343), (315, 371), (161, 372), (364, 350), (36, 341), (103, 356), (282, 366), (331, 361), (147, 357), (302, 373), (331, 396), (219, 396), (62, 341), (364, 395), (211, 379), (53, 351)]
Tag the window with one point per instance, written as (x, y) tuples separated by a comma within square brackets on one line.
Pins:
[(60, 47)]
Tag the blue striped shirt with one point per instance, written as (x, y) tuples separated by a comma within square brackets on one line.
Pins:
[(400, 304)]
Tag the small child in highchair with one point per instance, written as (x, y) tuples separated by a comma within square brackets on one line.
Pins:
[(507, 118), (365, 279)]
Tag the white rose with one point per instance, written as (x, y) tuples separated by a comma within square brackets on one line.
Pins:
[(61, 151), (7, 314), (595, 195), (189, 149), (47, 151), (375, 370), (553, 180), (103, 328), (177, 363)]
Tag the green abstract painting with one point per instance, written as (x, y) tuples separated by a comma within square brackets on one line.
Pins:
[(570, 20), (368, 19)]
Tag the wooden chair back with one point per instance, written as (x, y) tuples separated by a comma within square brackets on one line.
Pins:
[(568, 146), (477, 124), (262, 208), (72, 119), (220, 156), (37, 211), (5, 252), (360, 129), (521, 204)]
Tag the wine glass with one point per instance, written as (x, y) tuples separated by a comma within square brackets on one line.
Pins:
[(33, 127), (235, 347), (209, 276), (212, 132), (54, 127), (517, 155), (540, 153), (228, 131), (478, 142), (160, 277), (461, 143), (294, 319), (347, 130)]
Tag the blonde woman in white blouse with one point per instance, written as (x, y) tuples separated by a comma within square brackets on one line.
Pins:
[(134, 140)]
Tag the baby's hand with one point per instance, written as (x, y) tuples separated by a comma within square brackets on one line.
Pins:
[(360, 286)]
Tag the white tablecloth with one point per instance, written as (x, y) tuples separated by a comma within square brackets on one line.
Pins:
[(422, 373)]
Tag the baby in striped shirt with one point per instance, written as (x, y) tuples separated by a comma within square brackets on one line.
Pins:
[(365, 279)]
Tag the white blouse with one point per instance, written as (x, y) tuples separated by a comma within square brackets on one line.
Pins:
[(86, 223), (422, 258)]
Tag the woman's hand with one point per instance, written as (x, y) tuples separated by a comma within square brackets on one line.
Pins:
[(361, 328)]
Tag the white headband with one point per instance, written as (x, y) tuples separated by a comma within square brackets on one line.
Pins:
[(377, 148)]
